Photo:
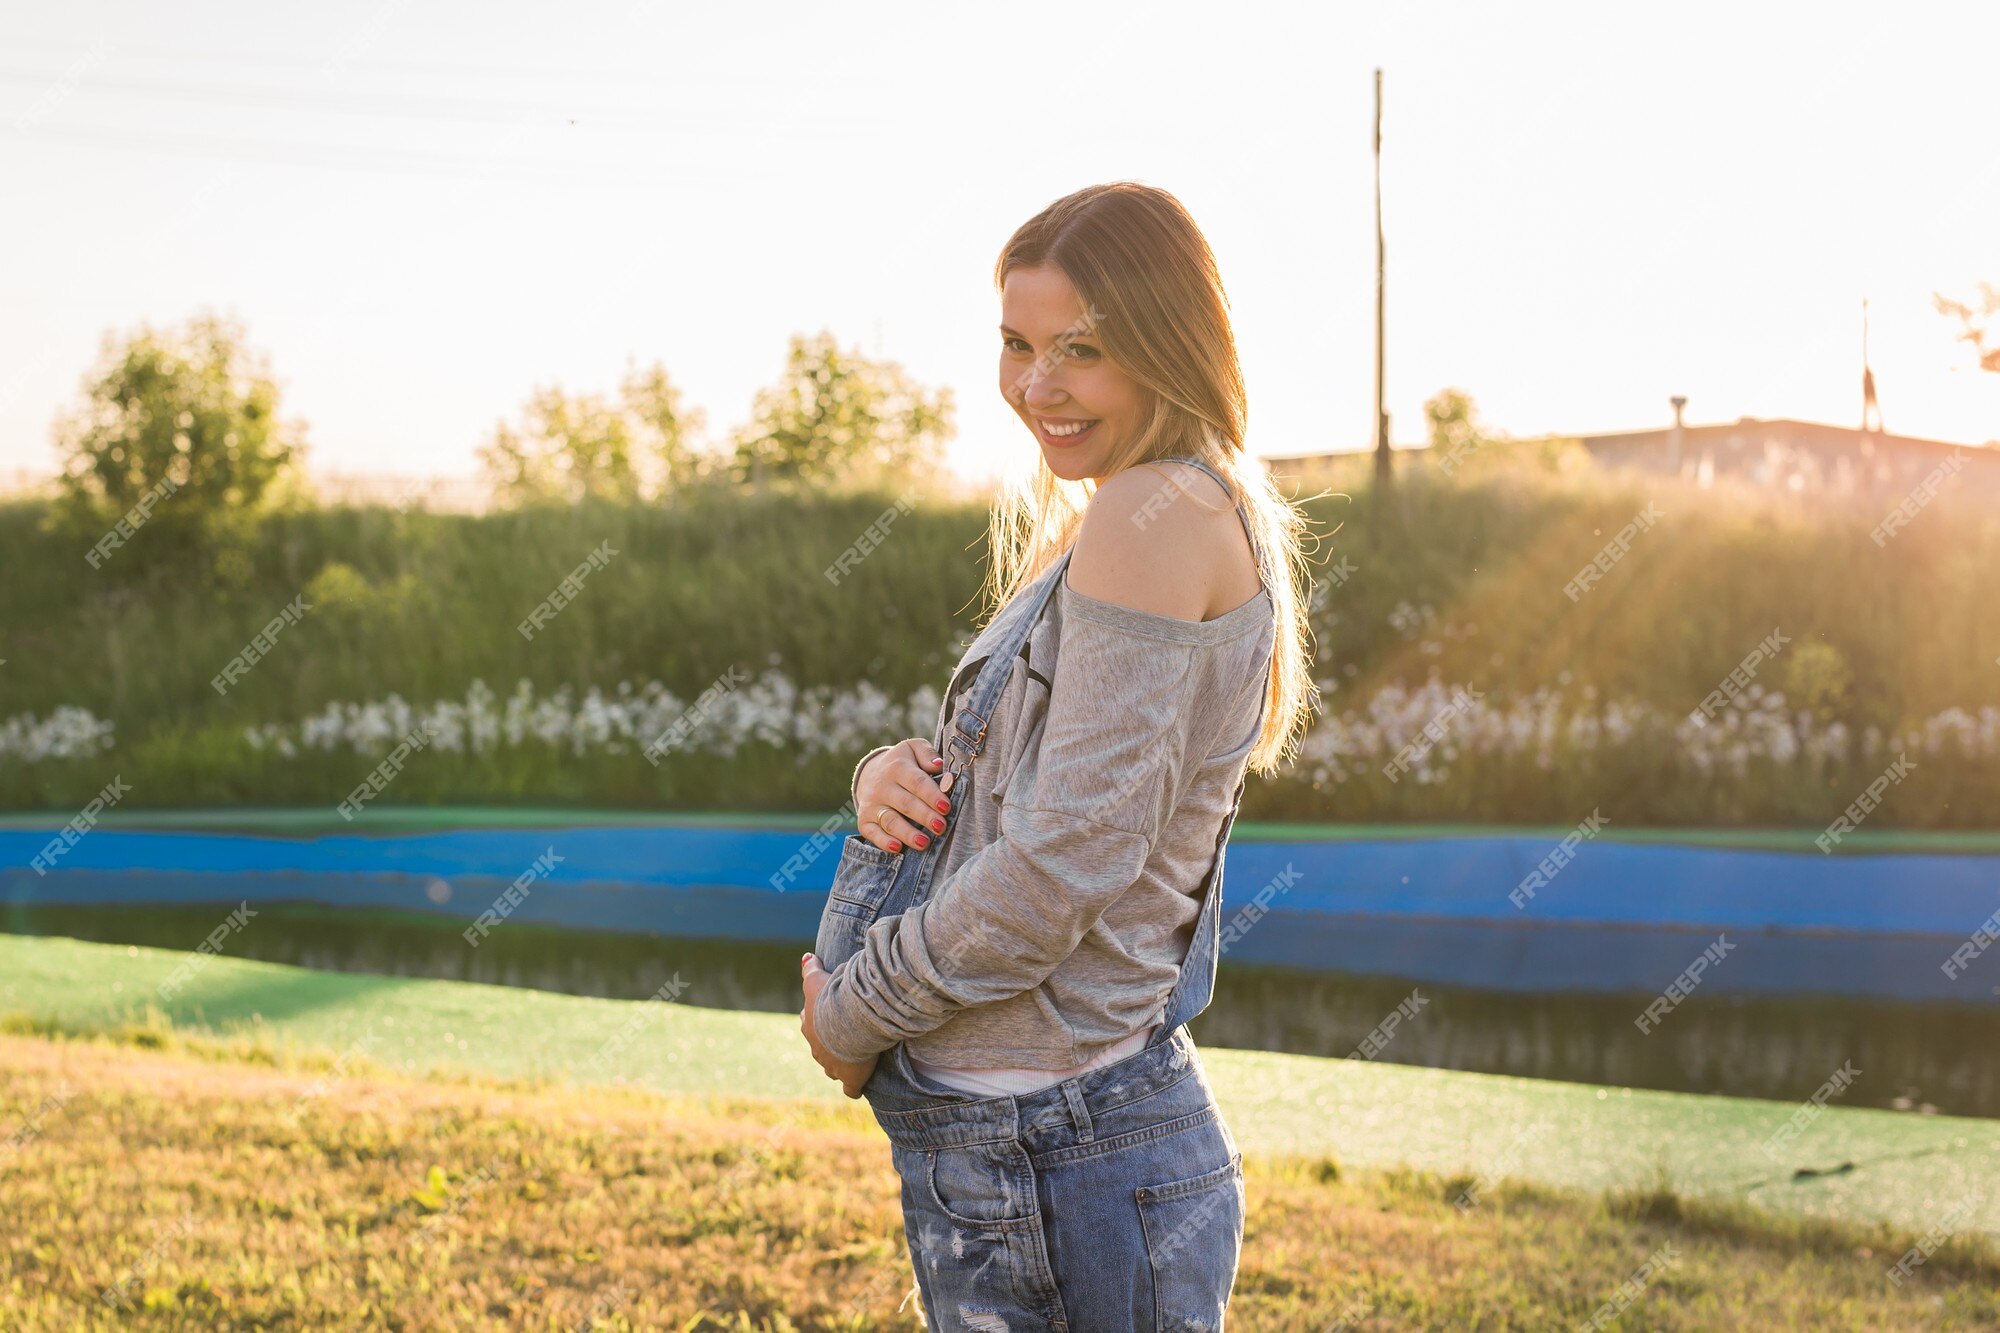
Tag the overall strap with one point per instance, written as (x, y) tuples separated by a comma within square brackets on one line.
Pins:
[(1195, 985), (966, 736)]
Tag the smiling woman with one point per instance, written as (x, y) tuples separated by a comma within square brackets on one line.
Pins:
[(1012, 996)]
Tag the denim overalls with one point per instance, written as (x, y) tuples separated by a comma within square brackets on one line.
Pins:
[(1107, 1203)]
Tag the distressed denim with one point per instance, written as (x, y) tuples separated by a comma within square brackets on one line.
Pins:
[(1110, 1202)]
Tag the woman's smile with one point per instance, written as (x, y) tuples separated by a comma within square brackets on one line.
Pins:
[(1060, 432)]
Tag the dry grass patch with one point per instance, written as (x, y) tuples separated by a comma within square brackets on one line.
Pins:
[(226, 1185)]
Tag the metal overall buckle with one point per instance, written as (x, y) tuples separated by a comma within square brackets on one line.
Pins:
[(957, 737)]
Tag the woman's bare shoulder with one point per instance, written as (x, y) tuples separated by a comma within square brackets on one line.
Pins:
[(1153, 543)]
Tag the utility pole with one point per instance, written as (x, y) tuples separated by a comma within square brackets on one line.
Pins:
[(1869, 403), (1381, 309)]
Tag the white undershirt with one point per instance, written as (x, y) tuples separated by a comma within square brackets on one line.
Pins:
[(1015, 1082)]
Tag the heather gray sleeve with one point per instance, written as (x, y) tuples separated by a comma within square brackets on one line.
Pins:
[(1111, 761)]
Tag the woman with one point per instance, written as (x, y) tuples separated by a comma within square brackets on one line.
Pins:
[(1011, 998)]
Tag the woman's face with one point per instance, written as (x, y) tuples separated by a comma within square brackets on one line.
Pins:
[(1055, 375)]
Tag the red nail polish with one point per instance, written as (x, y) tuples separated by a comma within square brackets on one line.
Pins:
[(922, 842), (937, 825), (895, 846), (944, 806)]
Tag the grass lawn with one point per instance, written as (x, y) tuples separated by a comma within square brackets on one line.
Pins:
[(240, 1183), (1847, 1164)]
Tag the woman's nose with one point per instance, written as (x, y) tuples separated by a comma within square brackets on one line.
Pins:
[(1042, 391)]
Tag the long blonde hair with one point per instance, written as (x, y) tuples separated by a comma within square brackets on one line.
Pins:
[(1149, 280)]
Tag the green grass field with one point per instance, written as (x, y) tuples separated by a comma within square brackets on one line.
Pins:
[(1859, 1165), (314, 1150), (161, 1181)]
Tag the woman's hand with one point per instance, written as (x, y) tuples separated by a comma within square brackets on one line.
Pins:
[(905, 780), (852, 1077)]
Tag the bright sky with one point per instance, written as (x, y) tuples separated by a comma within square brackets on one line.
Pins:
[(423, 212)]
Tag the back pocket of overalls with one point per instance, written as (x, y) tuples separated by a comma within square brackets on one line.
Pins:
[(1194, 1236)]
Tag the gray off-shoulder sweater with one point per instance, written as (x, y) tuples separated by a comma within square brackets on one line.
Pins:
[(1064, 902)]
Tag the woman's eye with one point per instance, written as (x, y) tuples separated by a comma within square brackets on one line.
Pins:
[(1081, 352)]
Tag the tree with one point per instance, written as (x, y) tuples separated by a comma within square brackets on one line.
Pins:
[(1452, 419), (567, 448), (1976, 325), (188, 412), (838, 414), (573, 447), (1456, 432), (667, 428)]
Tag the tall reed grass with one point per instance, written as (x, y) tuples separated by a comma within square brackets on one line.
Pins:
[(713, 620)]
